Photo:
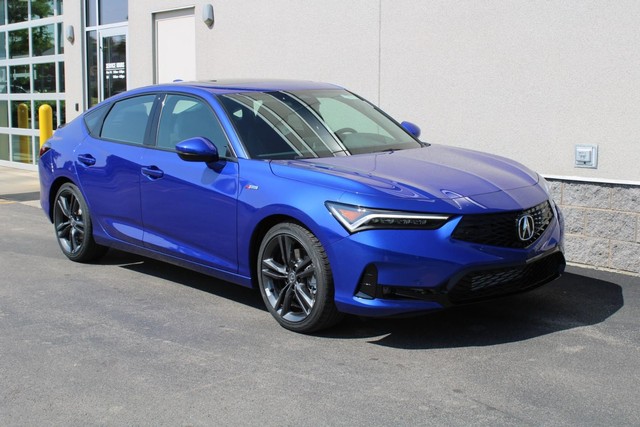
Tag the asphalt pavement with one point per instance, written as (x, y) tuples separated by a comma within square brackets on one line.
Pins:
[(132, 341)]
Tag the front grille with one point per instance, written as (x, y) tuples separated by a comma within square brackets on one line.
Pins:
[(501, 229), (485, 284)]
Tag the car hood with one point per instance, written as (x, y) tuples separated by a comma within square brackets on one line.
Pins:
[(432, 172)]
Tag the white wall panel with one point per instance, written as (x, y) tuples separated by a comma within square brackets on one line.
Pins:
[(527, 80)]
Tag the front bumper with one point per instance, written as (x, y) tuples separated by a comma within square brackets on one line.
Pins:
[(395, 272)]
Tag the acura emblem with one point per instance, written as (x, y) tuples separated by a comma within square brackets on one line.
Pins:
[(526, 227)]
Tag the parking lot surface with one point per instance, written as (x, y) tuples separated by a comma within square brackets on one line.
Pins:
[(131, 341)]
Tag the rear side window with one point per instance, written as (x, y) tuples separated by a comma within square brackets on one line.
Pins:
[(93, 119), (127, 120)]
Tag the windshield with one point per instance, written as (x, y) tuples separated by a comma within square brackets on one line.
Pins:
[(312, 123)]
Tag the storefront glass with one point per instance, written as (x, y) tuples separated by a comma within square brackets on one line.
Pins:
[(31, 74)]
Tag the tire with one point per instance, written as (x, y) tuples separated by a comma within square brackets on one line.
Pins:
[(73, 226), (295, 279)]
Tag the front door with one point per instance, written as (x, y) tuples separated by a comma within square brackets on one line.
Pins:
[(189, 208)]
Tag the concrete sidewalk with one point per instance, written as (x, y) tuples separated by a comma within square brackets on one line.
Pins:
[(18, 184)]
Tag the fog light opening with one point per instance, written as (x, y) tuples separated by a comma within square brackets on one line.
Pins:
[(368, 285)]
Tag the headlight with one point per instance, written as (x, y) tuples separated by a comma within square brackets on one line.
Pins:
[(545, 185), (356, 218)]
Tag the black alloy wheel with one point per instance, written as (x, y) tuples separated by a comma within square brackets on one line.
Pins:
[(295, 279), (73, 225)]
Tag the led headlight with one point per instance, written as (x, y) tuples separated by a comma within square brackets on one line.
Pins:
[(545, 185), (547, 188), (356, 218)]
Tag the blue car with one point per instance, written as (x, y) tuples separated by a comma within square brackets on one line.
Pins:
[(303, 190)]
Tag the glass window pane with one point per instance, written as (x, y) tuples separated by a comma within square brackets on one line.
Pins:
[(4, 114), (63, 113), (21, 114), (36, 148), (19, 79), (61, 77), (112, 11), (59, 7), (19, 43), (3, 45), (60, 39), (4, 146), (3, 80), (22, 149), (41, 9), (43, 40), (92, 67), (44, 78), (17, 11), (2, 16), (114, 58), (90, 8)]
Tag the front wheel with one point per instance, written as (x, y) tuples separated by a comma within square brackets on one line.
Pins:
[(295, 279), (73, 225)]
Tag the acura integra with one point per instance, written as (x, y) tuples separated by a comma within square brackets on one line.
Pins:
[(304, 190)]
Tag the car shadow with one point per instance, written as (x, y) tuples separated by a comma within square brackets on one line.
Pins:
[(572, 301), (183, 276), (569, 302)]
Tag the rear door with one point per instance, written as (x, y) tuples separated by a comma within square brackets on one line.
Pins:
[(189, 208), (108, 166)]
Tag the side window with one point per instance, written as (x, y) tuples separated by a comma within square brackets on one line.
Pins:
[(93, 119), (127, 120), (184, 117)]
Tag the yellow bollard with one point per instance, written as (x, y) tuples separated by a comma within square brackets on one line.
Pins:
[(45, 115), (23, 123)]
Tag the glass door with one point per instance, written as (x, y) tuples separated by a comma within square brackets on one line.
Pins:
[(106, 63), (113, 48)]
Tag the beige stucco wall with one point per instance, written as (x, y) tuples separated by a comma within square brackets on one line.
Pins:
[(527, 80)]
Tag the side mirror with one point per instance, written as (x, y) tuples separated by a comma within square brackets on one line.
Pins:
[(413, 129), (197, 149)]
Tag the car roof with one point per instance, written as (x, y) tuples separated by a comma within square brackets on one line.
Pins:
[(249, 85)]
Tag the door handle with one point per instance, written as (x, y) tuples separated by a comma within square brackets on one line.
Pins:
[(87, 159), (152, 172)]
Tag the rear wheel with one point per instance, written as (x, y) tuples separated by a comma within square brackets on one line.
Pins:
[(73, 225), (295, 279)]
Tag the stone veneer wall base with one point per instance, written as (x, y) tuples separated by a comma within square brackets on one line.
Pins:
[(602, 224)]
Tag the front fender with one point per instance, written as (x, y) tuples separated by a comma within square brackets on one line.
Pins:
[(268, 197)]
